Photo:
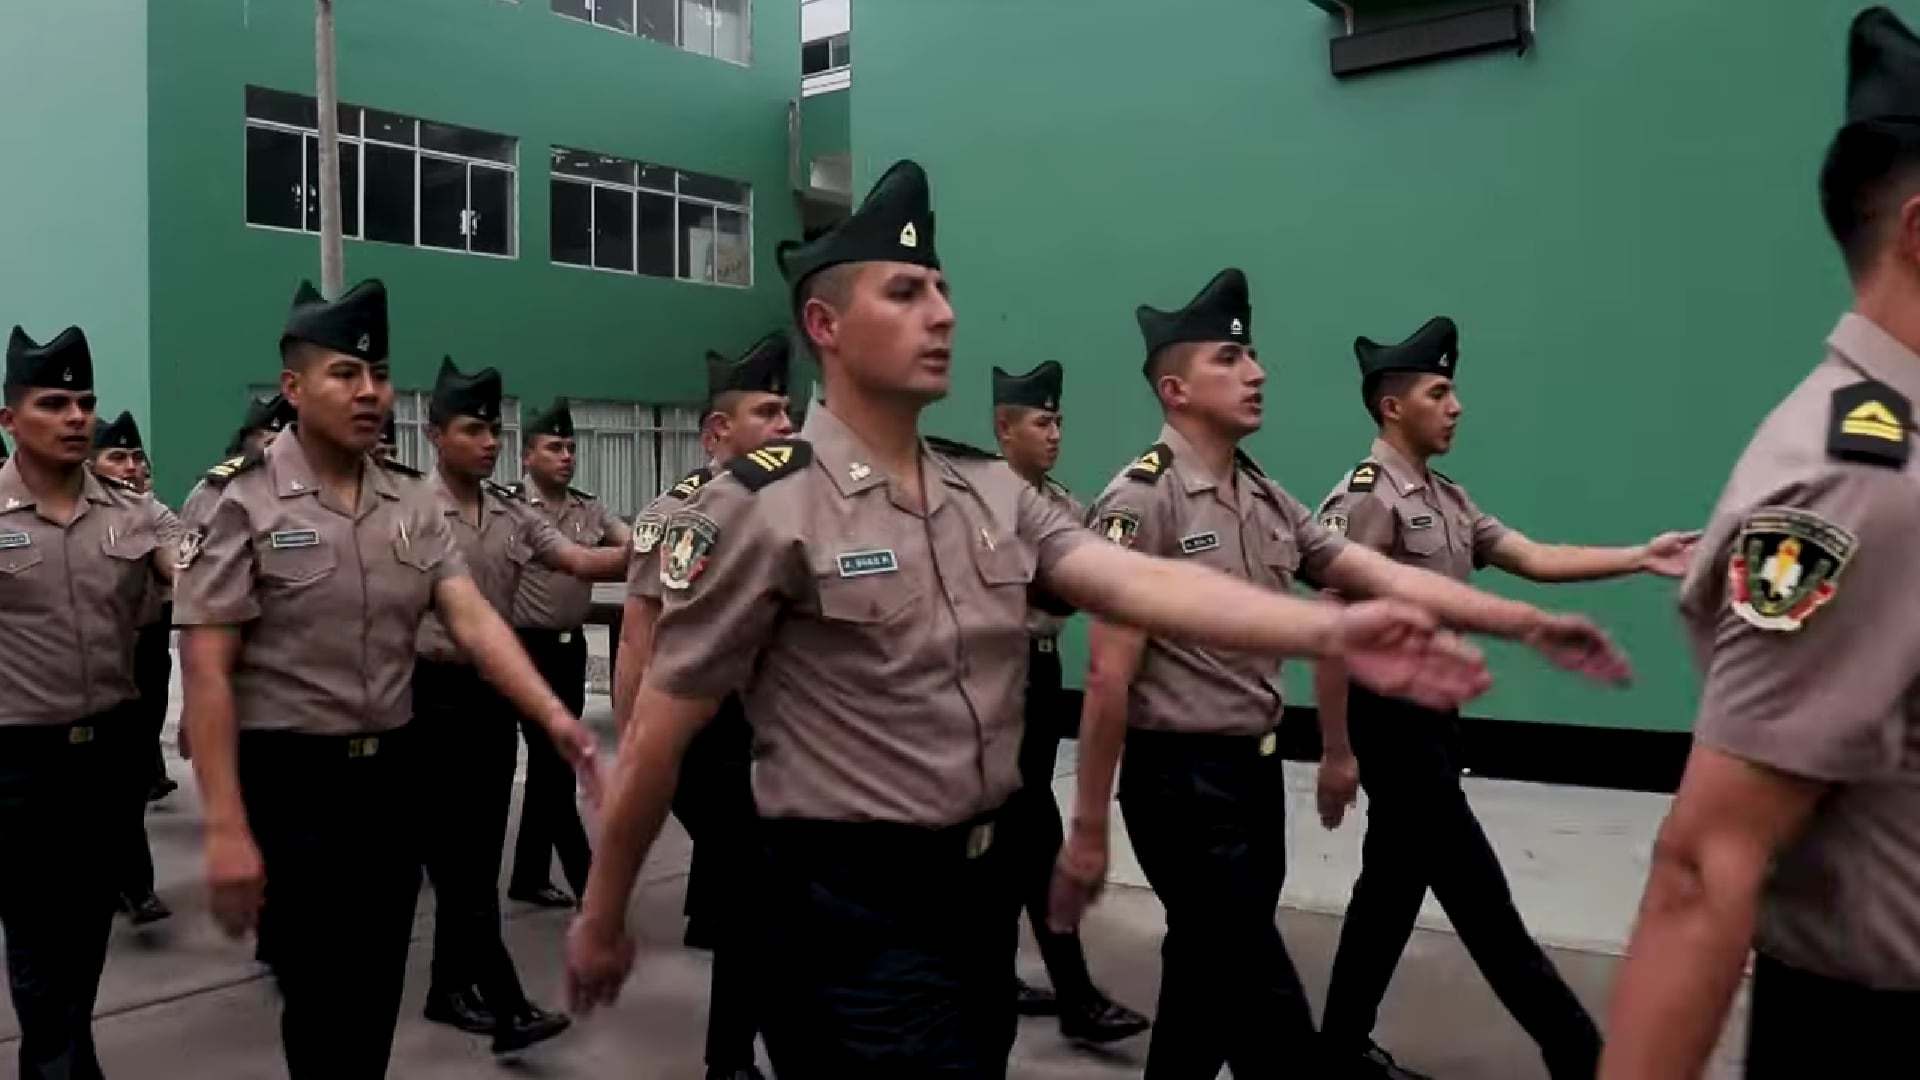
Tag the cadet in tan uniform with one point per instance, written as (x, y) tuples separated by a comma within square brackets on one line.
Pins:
[(77, 552), (119, 454), (388, 448), (470, 729), (1796, 829), (1026, 422), (1203, 792), (300, 607), (266, 418), (549, 613), (1421, 831), (867, 596), (746, 408)]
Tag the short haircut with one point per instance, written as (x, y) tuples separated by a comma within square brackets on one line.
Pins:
[(1167, 360), (726, 401), (295, 354), (1385, 384), (1870, 171), (15, 393), (833, 285)]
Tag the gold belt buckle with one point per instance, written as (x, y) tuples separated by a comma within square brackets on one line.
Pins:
[(79, 734), (1047, 645), (979, 840), (1269, 743), (364, 747), (566, 637)]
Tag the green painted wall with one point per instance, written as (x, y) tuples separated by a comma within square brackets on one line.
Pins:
[(1623, 222), (73, 208), (826, 124), (221, 288)]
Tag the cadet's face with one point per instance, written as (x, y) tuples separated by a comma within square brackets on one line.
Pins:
[(386, 451), (55, 426), (468, 445), (549, 459), (895, 334), (755, 420), (126, 466), (1030, 438), (341, 399), (1222, 385), (1428, 414)]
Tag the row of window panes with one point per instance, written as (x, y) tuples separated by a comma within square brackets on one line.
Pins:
[(719, 28), (613, 214), (826, 54)]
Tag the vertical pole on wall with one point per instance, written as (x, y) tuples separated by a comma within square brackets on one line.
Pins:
[(333, 270)]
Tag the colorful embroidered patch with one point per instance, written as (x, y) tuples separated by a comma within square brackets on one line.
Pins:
[(688, 547), (1119, 526), (1334, 523), (646, 534), (1786, 565)]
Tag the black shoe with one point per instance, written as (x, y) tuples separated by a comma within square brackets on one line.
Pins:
[(1030, 1000), (461, 1009), (1101, 1021), (142, 911), (528, 1025), (162, 788), (745, 1072), (545, 896), (1376, 1064), (699, 934)]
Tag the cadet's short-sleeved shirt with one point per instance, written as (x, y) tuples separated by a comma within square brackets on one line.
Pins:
[(1167, 504), (1043, 625), (643, 568), (1804, 614), (880, 653), (328, 602), (549, 599), (159, 591), (1411, 515), (70, 599), (197, 511), (509, 537)]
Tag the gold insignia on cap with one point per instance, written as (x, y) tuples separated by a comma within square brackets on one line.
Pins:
[(366, 343), (1236, 328), (66, 375), (909, 236)]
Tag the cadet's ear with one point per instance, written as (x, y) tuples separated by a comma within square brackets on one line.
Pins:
[(1906, 241), (290, 384)]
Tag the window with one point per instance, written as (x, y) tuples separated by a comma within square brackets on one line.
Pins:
[(827, 54), (628, 216), (402, 180), (717, 28)]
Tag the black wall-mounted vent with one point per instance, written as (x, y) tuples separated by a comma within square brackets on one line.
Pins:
[(1494, 28)]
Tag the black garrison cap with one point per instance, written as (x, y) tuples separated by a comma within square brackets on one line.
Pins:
[(1883, 70), (268, 414), (893, 224), (65, 363), (476, 395), (1037, 389), (121, 434), (355, 324), (762, 369), (556, 421), (1222, 311), (1433, 349)]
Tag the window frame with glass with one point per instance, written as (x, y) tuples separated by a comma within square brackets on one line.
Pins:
[(637, 194)]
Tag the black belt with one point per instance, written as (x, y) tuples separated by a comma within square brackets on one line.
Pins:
[(550, 636), (22, 738), (1207, 744), (1045, 645), (306, 746), (887, 840)]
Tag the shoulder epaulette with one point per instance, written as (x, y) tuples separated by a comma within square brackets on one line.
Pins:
[(1365, 475), (112, 483), (953, 449), (691, 483), (401, 467), (781, 457), (1438, 475), (578, 494), (1149, 466), (1058, 488), (220, 474), (1245, 461), (510, 492), (1870, 424)]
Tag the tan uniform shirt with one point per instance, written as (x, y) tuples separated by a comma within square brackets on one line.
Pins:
[(328, 601), (70, 598), (169, 526), (1041, 625), (880, 653), (549, 599), (1167, 504), (1804, 614), (643, 569), (510, 537), (1411, 515), (197, 511)]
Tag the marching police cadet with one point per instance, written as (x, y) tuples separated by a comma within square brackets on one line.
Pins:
[(77, 551), (1026, 423), (867, 596), (300, 607), (1203, 792), (746, 408), (549, 613), (471, 731), (1421, 831), (1796, 829), (119, 453), (266, 418)]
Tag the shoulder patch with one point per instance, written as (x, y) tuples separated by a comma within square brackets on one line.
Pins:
[(1365, 476), (1870, 424), (1118, 524), (953, 449), (1334, 522), (691, 483), (781, 457), (1786, 565), (396, 466), (220, 474), (1149, 467)]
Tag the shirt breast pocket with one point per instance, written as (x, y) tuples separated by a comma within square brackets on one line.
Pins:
[(519, 551), (1423, 535), (871, 595), (292, 567), (1281, 556), (17, 563)]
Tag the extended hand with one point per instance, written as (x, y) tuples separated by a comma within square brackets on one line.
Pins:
[(236, 880), (599, 959), (1078, 876), (1578, 645), (1337, 787), (1670, 554), (1396, 650), (576, 744)]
